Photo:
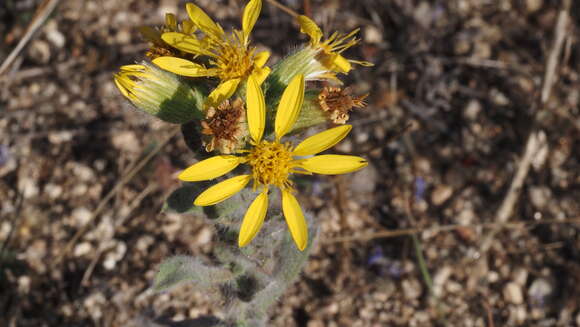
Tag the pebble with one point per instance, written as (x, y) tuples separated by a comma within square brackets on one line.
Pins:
[(28, 187), (539, 196), (82, 249), (472, 109), (39, 51), (53, 35), (126, 141), (512, 293), (373, 35), (540, 290), (520, 276), (440, 279), (440, 194), (83, 172), (534, 5), (81, 216), (412, 288), (115, 256)]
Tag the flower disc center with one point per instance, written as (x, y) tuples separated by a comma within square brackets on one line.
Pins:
[(271, 163), (234, 61)]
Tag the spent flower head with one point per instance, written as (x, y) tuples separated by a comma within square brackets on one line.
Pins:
[(272, 162), (338, 102), (229, 57), (224, 127)]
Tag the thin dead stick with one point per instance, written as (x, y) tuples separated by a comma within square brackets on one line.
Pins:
[(283, 8), (536, 138), (446, 228), (132, 171), (42, 13)]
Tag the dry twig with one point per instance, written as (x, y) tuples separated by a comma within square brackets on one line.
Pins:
[(41, 15), (536, 138)]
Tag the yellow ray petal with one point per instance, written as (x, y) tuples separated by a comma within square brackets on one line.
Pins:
[(260, 74), (341, 64), (121, 87), (180, 66), (222, 92), (203, 21), (222, 191), (321, 141), (253, 219), (186, 43), (289, 107), (210, 168), (188, 27), (295, 220), (150, 34), (171, 21), (332, 164), (309, 27), (251, 13), (133, 68), (256, 112), (261, 58)]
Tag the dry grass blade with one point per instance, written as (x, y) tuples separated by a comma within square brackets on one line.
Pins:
[(536, 138), (446, 228), (42, 13)]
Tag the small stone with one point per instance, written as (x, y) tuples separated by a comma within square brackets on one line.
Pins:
[(82, 249), (439, 280), (412, 289), (540, 290), (39, 51), (373, 35), (204, 236), (123, 36), (539, 196), (81, 216), (28, 187), (512, 293), (499, 98), (126, 141), (24, 284), (534, 5), (114, 256), (520, 276), (53, 35), (83, 172), (472, 109), (440, 194)]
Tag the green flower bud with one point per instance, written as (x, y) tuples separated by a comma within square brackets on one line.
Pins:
[(160, 93)]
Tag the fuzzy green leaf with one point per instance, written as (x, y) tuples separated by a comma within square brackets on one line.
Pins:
[(185, 269)]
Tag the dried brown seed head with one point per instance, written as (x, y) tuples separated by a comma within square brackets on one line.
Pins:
[(225, 127), (339, 102)]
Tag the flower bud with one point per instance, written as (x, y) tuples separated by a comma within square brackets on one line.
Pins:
[(160, 93)]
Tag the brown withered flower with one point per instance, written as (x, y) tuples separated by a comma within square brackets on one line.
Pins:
[(339, 102), (224, 127)]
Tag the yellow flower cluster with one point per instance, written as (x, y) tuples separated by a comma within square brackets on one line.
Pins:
[(198, 49)]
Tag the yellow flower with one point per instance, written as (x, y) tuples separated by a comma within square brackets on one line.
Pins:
[(272, 162), (230, 58), (160, 48), (330, 50)]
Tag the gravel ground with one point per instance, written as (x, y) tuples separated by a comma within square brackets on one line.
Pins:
[(416, 239)]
